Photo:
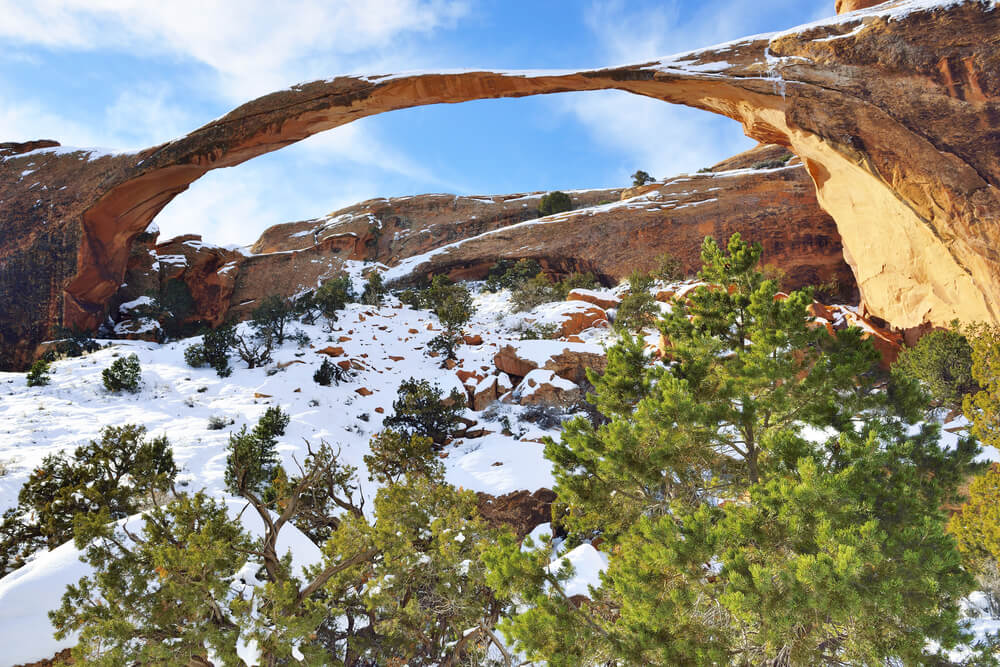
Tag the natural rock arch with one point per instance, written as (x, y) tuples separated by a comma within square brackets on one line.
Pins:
[(894, 111)]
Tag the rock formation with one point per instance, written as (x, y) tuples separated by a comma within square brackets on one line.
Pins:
[(776, 207), (893, 110)]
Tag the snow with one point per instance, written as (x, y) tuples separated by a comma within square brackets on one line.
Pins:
[(588, 563), (603, 295), (534, 380), (28, 594), (541, 352), (86, 153), (177, 400), (135, 303)]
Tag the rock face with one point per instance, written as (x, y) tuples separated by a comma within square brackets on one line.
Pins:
[(893, 110), (388, 230), (520, 510), (776, 207)]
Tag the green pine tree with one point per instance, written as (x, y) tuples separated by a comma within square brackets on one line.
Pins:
[(253, 461), (162, 598), (116, 474), (732, 537)]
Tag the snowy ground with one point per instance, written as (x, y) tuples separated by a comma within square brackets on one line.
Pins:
[(389, 343), (177, 401)]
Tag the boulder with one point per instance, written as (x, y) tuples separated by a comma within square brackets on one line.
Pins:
[(542, 387), (567, 360), (484, 393), (601, 298), (520, 510)]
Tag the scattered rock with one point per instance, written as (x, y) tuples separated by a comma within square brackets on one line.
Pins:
[(364, 391), (484, 394), (332, 351)]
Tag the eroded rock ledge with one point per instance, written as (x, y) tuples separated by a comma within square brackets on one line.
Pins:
[(893, 110)]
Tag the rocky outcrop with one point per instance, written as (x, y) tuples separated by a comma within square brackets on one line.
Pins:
[(388, 230), (601, 299), (520, 510), (893, 110), (569, 361), (776, 207), (542, 387)]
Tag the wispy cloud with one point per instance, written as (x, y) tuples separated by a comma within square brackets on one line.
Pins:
[(229, 52), (660, 138), (251, 47)]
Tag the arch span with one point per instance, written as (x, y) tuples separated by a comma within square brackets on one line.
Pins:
[(894, 110)]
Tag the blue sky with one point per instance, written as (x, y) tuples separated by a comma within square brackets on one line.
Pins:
[(133, 73)]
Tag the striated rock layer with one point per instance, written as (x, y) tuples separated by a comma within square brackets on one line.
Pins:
[(776, 207), (893, 110)]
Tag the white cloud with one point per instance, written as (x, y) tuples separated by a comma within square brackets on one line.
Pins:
[(252, 46), (233, 206), (136, 119), (661, 138), (328, 171)]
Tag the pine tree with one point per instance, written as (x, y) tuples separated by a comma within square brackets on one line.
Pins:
[(554, 202), (332, 296), (425, 600), (732, 537), (396, 455), (271, 317), (638, 309), (161, 596), (421, 409), (375, 289), (976, 527), (942, 362), (116, 474), (38, 374), (253, 462), (124, 374), (983, 407)]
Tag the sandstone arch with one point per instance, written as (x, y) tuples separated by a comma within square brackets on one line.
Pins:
[(894, 110)]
